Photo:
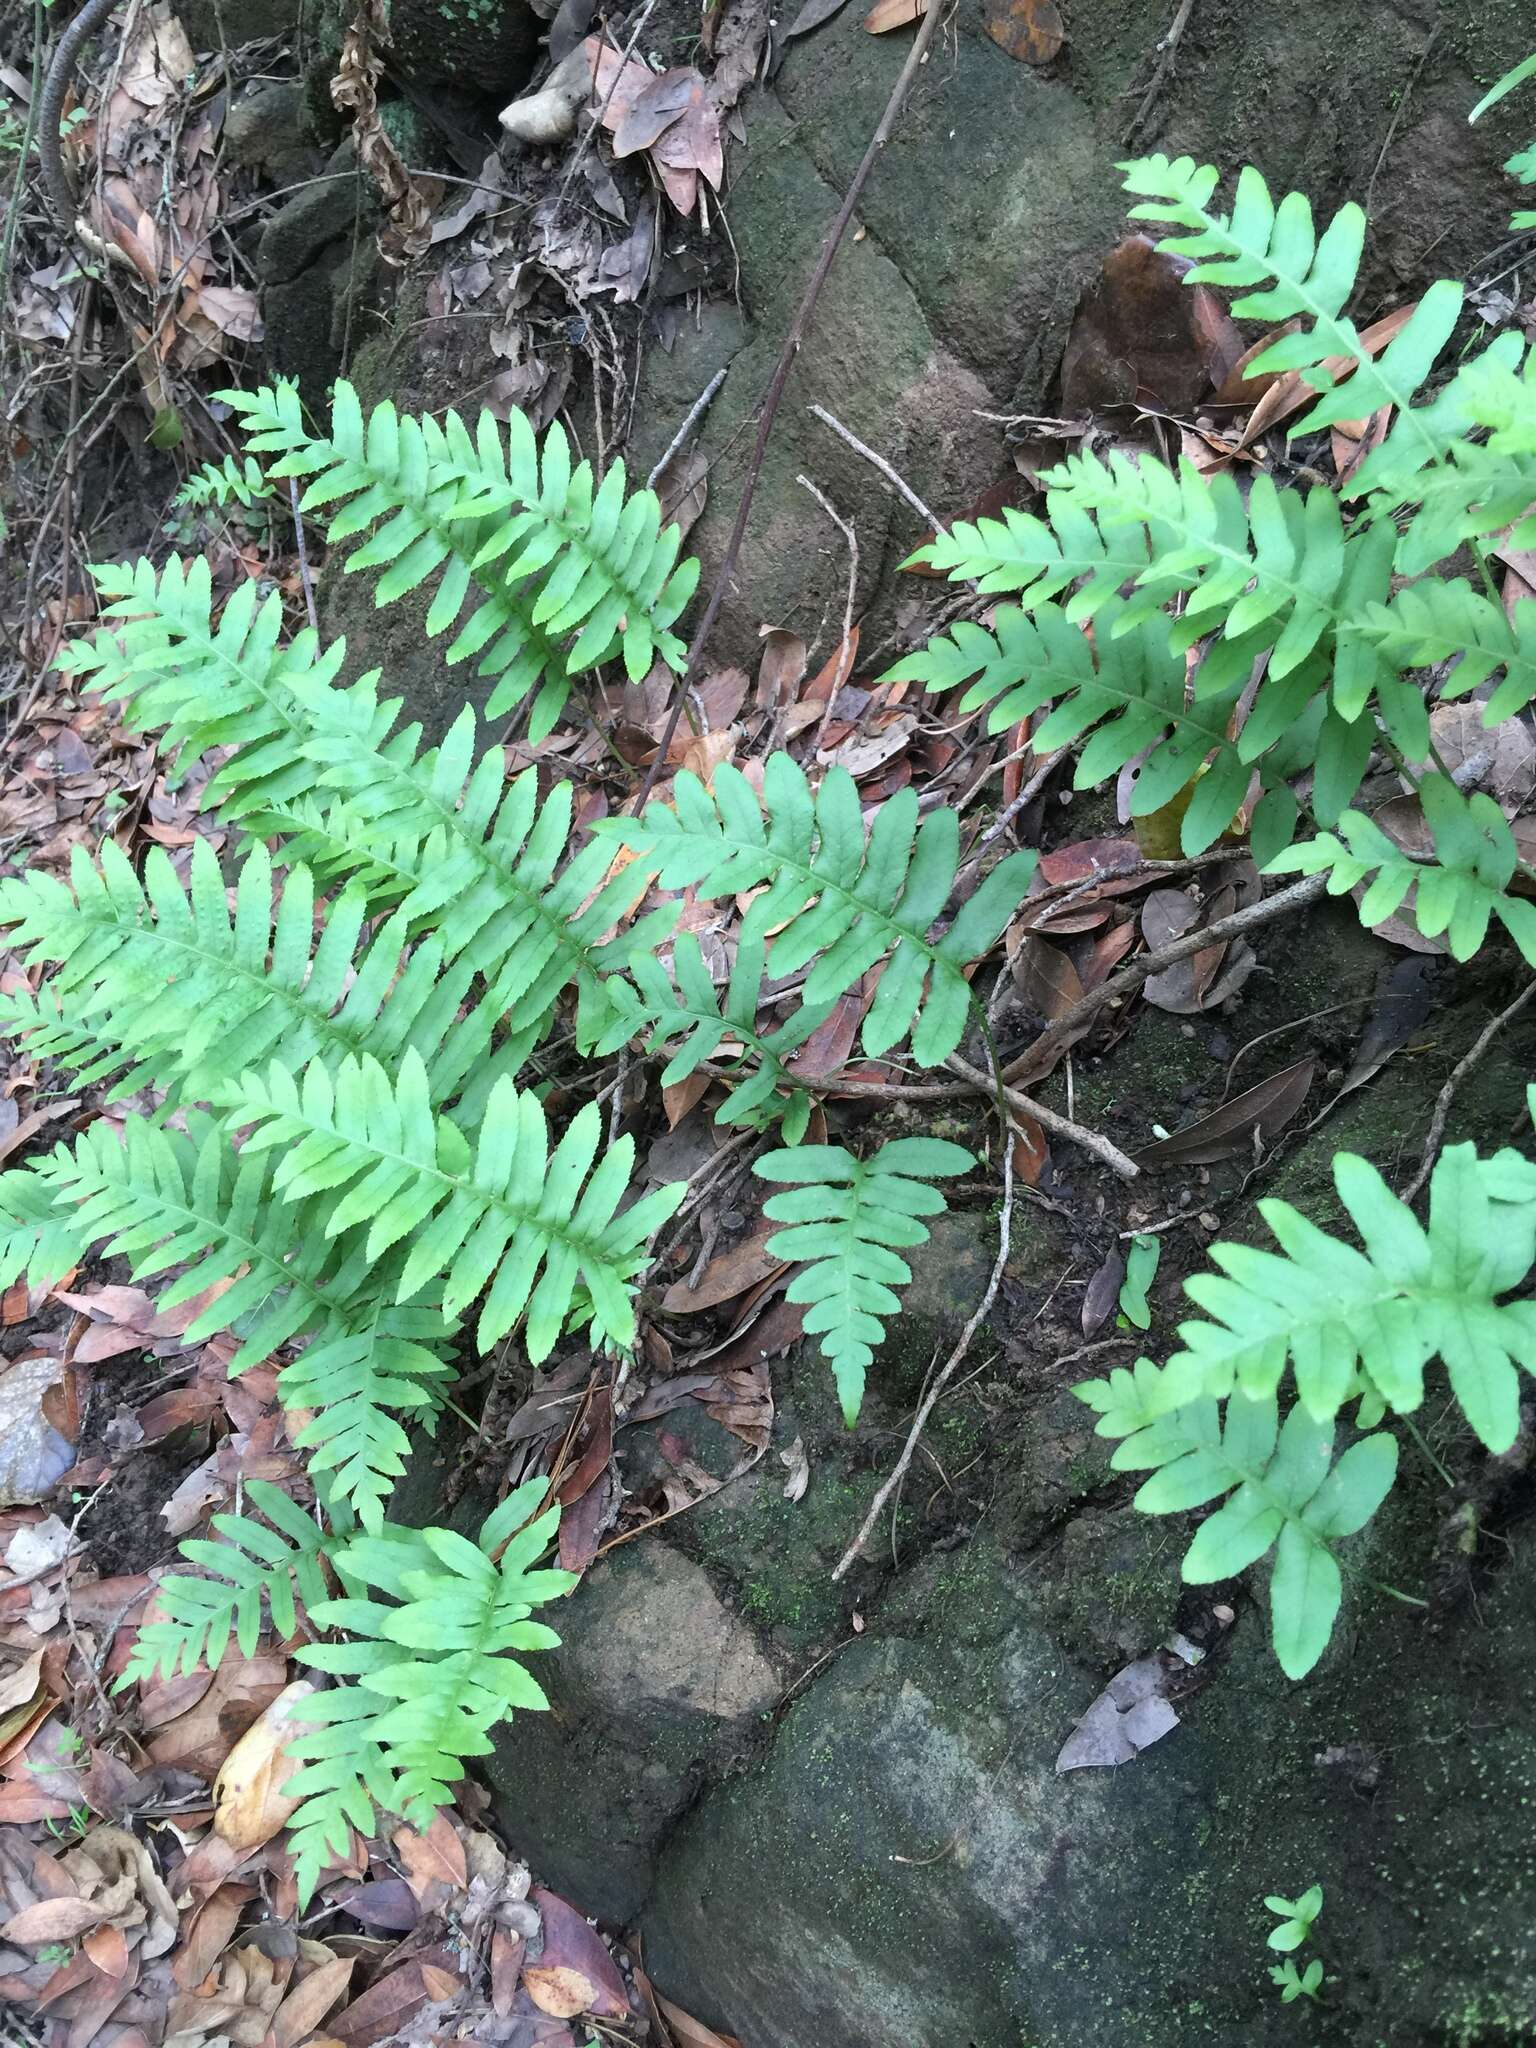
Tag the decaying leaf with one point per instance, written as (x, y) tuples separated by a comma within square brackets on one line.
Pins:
[(1030, 30), (799, 1469), (1231, 1132), (354, 91), (1130, 1714), (250, 1803), (1142, 336), (888, 14), (575, 1973)]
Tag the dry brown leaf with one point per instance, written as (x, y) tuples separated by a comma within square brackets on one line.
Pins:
[(1290, 391), (689, 2032), (308, 2003), (250, 1805), (52, 1920), (1229, 1132), (1030, 30), (435, 1857), (726, 1276), (575, 1972), (888, 14), (354, 91)]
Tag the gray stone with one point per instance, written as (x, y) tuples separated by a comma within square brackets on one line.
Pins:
[(657, 1687), (918, 1873), (267, 130)]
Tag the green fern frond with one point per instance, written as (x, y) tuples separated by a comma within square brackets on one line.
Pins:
[(845, 1215), (1305, 275), (205, 685), (597, 566), (223, 483), (494, 1207), (665, 1009), (37, 1236), (1456, 893), (159, 1198), (258, 1566), (1440, 621), (161, 980), (1129, 687), (1286, 1493), (1414, 1293), (356, 1376), (838, 905), (432, 1672)]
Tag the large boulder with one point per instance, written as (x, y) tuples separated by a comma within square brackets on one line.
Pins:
[(918, 1872)]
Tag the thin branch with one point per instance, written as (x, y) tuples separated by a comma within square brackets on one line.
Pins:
[(1059, 1126), (896, 482), (1130, 978), (696, 412), (298, 537), (775, 391), (947, 1371), (1459, 1073)]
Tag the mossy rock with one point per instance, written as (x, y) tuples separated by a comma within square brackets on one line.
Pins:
[(919, 1873)]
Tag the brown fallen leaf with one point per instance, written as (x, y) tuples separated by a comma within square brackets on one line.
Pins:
[(1129, 1715), (1229, 1132), (1290, 391), (888, 14), (308, 2003), (51, 1920), (1142, 336), (1030, 30), (391, 2003), (250, 1805), (575, 1973), (437, 1857), (725, 1277), (1101, 1293)]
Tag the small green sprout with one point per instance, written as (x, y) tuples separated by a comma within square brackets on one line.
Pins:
[(1292, 1985), (1296, 1917)]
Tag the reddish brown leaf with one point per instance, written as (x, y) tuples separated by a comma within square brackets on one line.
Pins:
[(725, 1277), (1142, 336), (308, 2003), (387, 1902), (390, 2004), (438, 1854), (1030, 30), (889, 14)]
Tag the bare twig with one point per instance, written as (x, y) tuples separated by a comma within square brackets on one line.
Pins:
[(298, 538), (1459, 1073), (1026, 795), (946, 1372), (896, 482), (1048, 1119), (1129, 978), (1166, 52), (696, 412), (775, 391)]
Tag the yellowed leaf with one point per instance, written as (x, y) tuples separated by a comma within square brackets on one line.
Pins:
[(250, 1803)]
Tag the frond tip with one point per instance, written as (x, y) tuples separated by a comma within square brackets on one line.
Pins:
[(845, 1215)]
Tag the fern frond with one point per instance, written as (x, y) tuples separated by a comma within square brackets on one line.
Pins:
[(205, 685), (161, 980), (1456, 893), (1129, 687), (686, 1005), (159, 1197), (258, 1565), (354, 1377), (222, 483), (845, 1215), (37, 1236), (369, 1149), (432, 1673), (1305, 274), (1413, 1293), (838, 905), (1286, 1493), (591, 564)]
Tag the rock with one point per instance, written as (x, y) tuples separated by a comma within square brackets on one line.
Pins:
[(490, 45), (222, 24), (315, 255), (657, 1686), (267, 130), (918, 1873)]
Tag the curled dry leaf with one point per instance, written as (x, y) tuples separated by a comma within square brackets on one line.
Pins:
[(354, 91), (1030, 30), (1130, 1714), (799, 1468), (250, 1805)]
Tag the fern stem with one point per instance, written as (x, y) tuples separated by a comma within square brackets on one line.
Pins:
[(1418, 1436), (725, 574)]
